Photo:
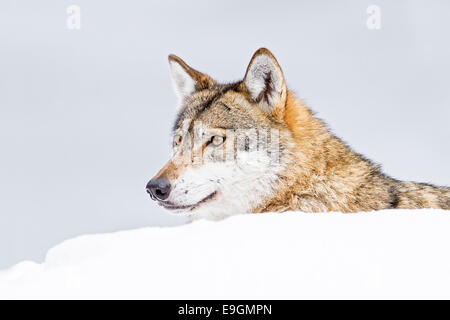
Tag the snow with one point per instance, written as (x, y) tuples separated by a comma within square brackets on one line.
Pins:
[(385, 254)]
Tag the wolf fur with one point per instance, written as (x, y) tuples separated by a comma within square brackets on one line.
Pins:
[(316, 171)]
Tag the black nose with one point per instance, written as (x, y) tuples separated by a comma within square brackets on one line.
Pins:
[(158, 189)]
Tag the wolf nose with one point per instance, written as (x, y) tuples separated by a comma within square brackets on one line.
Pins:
[(158, 189)]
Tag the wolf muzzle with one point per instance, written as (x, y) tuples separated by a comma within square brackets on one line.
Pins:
[(158, 189)]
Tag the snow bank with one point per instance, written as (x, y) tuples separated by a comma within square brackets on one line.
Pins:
[(390, 254)]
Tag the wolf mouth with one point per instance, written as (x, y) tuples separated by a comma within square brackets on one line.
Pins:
[(190, 207)]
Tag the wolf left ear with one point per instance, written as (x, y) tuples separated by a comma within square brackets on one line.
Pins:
[(185, 79), (264, 81)]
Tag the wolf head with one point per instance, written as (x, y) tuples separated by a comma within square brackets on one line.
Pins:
[(230, 142)]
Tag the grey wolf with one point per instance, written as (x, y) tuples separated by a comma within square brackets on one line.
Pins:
[(313, 171)]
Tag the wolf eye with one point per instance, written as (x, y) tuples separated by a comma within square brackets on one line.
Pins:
[(177, 141), (217, 140)]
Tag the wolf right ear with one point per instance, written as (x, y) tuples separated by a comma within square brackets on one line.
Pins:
[(264, 81), (185, 79)]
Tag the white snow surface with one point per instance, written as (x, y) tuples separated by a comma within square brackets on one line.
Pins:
[(385, 254)]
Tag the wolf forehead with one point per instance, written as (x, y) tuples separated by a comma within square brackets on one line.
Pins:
[(220, 106)]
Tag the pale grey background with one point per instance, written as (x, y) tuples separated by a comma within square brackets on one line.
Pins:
[(85, 115)]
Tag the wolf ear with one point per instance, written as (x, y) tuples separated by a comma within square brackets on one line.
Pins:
[(185, 79), (265, 84)]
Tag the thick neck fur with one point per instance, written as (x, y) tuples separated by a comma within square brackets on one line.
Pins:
[(326, 175)]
